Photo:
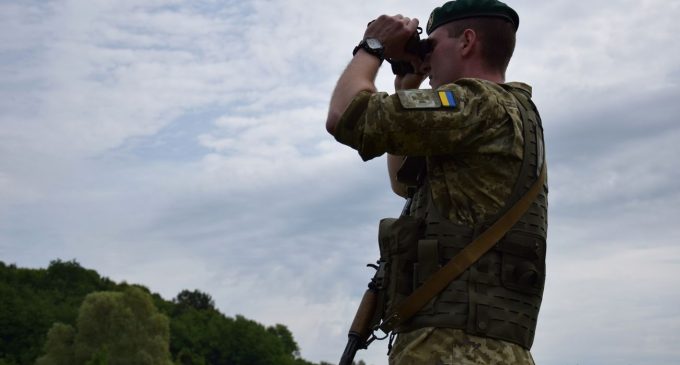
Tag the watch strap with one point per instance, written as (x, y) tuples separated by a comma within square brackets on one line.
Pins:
[(379, 53)]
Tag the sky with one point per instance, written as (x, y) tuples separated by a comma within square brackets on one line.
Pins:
[(182, 145)]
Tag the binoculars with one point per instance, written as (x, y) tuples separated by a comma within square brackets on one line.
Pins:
[(414, 46)]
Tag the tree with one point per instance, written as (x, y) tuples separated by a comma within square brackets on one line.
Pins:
[(47, 314), (286, 337), (112, 328), (59, 345), (195, 299)]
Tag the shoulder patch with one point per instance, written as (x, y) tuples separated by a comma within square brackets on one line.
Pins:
[(419, 99), (447, 99), (426, 99)]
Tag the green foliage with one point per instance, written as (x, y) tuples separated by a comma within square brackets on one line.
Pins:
[(113, 328), (204, 336), (32, 300), (286, 338), (194, 299), (48, 312), (59, 345), (124, 325)]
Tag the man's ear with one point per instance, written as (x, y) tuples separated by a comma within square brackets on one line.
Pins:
[(468, 41)]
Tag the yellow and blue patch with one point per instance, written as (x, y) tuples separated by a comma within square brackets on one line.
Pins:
[(426, 99), (447, 98)]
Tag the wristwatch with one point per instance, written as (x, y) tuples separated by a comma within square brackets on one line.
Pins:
[(372, 46)]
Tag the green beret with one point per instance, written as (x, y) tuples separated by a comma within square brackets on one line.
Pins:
[(461, 9)]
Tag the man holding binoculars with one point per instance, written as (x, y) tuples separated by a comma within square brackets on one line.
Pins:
[(465, 153)]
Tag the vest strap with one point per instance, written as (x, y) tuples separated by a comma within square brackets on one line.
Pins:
[(462, 261)]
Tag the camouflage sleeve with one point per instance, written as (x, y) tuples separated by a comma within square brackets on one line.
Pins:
[(418, 123)]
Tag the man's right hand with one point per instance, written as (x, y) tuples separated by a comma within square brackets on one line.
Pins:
[(393, 32)]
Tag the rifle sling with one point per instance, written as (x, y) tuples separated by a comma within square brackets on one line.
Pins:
[(461, 261)]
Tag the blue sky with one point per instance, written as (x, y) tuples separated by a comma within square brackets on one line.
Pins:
[(181, 145)]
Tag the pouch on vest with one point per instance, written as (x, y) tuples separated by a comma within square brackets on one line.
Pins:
[(398, 248), (523, 266)]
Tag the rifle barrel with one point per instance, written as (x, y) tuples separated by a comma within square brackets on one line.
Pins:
[(353, 345)]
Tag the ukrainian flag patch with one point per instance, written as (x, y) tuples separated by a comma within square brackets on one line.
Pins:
[(447, 98)]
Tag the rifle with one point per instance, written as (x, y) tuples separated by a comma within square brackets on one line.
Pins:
[(368, 317), (360, 334)]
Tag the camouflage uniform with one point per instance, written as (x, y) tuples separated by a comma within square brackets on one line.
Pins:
[(473, 148), (448, 346)]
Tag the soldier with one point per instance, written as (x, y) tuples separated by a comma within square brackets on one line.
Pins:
[(477, 143)]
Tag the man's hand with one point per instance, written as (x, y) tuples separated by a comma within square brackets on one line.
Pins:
[(393, 32), (410, 80)]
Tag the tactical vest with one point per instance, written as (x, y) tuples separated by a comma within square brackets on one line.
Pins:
[(499, 296)]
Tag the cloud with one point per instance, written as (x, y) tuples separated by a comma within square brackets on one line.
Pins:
[(639, 320)]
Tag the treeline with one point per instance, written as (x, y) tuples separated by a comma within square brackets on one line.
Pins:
[(69, 315)]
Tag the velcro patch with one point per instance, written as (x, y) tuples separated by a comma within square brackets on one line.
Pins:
[(426, 99)]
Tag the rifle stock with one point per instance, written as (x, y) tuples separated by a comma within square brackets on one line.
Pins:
[(357, 338)]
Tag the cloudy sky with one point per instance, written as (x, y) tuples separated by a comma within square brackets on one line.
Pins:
[(181, 145)]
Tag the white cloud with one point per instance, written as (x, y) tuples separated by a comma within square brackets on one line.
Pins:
[(638, 169), (586, 52), (618, 307)]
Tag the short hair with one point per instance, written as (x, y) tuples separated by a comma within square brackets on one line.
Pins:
[(496, 36)]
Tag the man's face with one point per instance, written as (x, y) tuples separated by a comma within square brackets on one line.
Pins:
[(443, 63)]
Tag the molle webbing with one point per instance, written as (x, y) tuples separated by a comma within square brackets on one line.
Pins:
[(498, 296)]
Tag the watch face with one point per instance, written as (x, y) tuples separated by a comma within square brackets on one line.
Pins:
[(373, 43)]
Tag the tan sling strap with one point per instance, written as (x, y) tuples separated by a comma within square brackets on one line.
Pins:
[(461, 261)]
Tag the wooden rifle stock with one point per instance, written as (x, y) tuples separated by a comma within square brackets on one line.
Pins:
[(361, 327)]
